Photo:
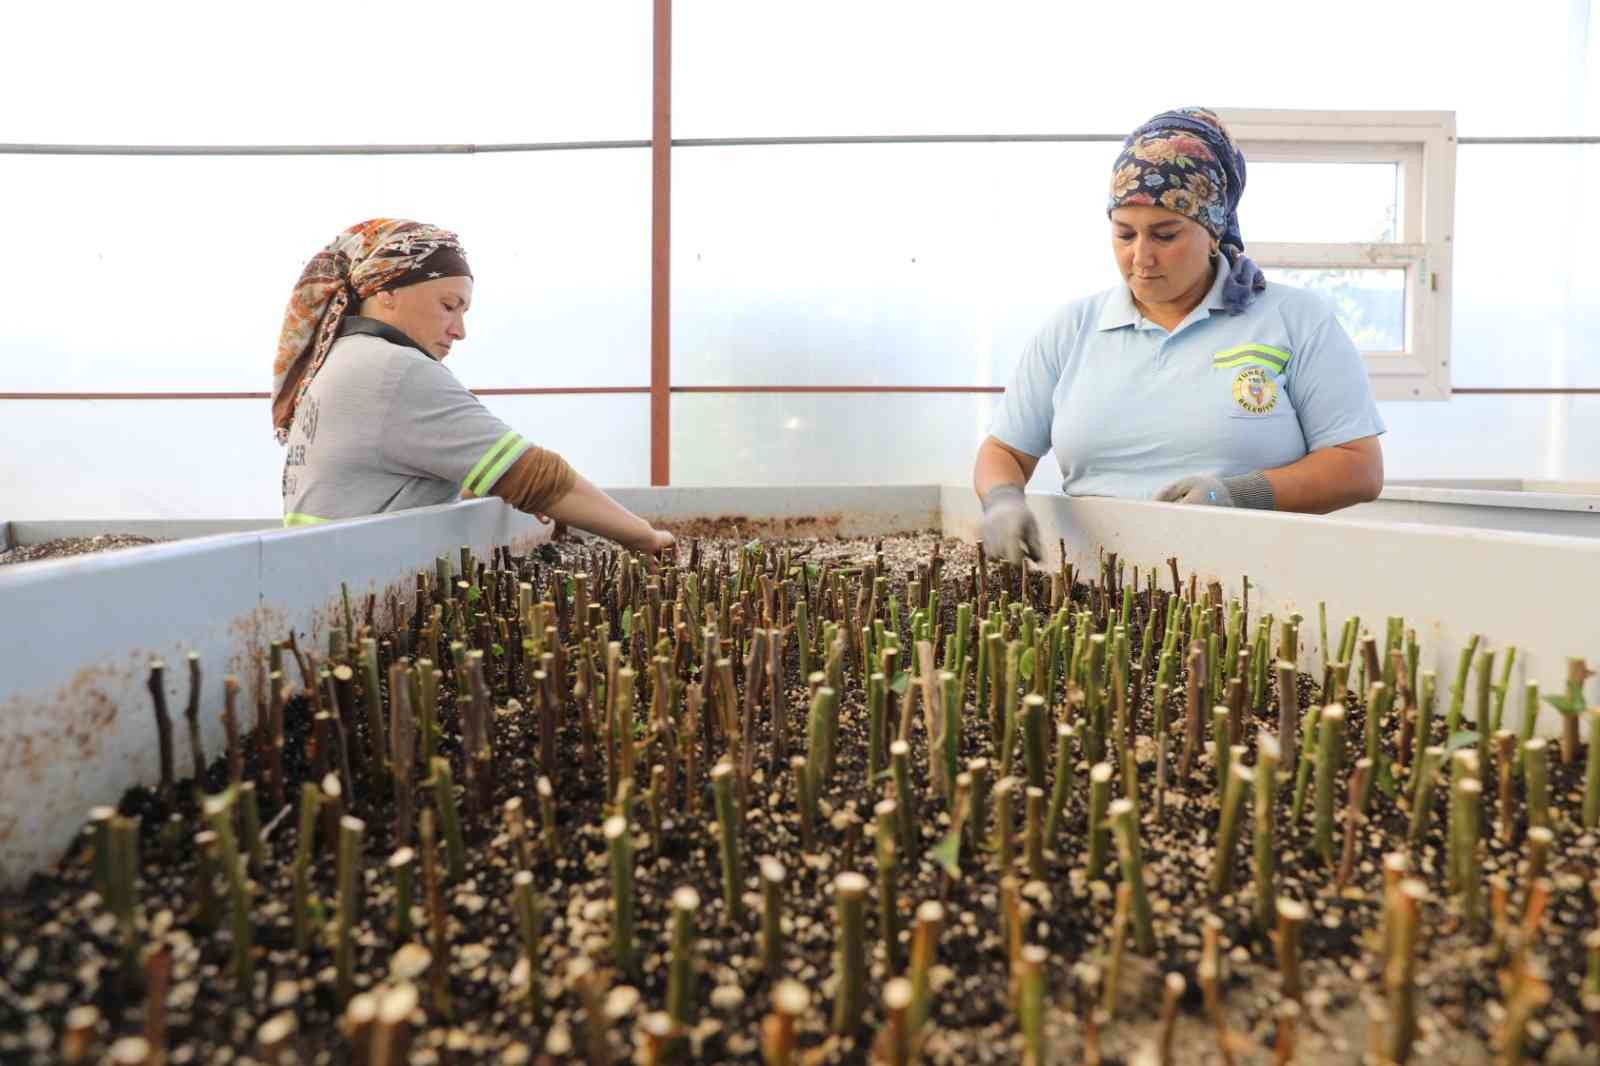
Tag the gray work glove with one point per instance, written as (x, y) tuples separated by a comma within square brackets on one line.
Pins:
[(1246, 490), (1009, 528)]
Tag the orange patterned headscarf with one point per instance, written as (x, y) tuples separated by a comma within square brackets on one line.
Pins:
[(373, 256)]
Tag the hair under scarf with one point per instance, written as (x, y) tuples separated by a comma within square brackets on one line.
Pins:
[(1186, 162), (373, 256)]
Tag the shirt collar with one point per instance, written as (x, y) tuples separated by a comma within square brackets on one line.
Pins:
[(371, 327), (1118, 310)]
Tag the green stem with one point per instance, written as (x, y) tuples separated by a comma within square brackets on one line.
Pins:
[(905, 799), (1291, 916), (1240, 780), (1126, 820), (372, 696), (1422, 803), (1330, 764), (1288, 713), (1099, 801), (1502, 689), (888, 888), (1061, 787), (1468, 796), (1030, 997), (950, 699), (1425, 703), (1322, 633), (877, 700), (1033, 832), (350, 833), (1005, 792), (250, 817), (304, 849), (403, 865), (1458, 691), (619, 845), (978, 814), (1591, 776), (850, 892), (680, 973), (1219, 738), (526, 908), (444, 799), (1266, 776), (924, 953), (772, 878), (727, 823), (219, 814), (1536, 767), (1033, 739)]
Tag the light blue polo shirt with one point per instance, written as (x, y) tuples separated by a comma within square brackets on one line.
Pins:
[(1129, 407)]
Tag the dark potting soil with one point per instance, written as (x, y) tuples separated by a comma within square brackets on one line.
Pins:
[(60, 948)]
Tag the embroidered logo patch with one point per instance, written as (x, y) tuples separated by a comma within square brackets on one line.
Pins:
[(1254, 391)]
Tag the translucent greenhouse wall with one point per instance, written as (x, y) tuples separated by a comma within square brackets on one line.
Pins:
[(865, 265)]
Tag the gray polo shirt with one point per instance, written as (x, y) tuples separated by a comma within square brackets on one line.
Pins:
[(385, 426)]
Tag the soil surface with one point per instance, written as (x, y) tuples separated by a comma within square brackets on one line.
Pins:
[(63, 546), (1507, 961)]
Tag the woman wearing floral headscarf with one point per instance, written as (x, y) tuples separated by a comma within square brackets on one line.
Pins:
[(1193, 381), (372, 419)]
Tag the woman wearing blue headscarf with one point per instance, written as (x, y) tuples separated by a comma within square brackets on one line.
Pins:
[(1193, 381)]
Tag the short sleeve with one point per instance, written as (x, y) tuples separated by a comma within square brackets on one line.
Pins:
[(435, 427), (1328, 383), (1027, 410)]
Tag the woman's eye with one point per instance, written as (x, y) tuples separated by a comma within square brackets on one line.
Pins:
[(1166, 238)]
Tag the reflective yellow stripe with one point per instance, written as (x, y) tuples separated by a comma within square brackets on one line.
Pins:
[(512, 454), (492, 465), (1266, 355), (1257, 360), (304, 520)]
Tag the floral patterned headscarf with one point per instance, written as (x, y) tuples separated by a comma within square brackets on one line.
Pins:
[(373, 256), (1186, 162)]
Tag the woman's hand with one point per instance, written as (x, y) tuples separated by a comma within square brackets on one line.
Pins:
[(1325, 480), (654, 542), (1248, 490), (1009, 529)]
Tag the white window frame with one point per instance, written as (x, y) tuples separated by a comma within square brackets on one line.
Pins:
[(1423, 145)]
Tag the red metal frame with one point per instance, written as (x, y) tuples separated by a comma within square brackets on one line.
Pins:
[(661, 250)]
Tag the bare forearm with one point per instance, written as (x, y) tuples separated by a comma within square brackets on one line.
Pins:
[(588, 508), (1329, 478), (998, 465)]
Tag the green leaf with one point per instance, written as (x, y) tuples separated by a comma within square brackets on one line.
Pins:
[(474, 594), (1463, 739), (1025, 667), (901, 680), (497, 651), (627, 623), (569, 588), (811, 571), (1565, 705), (947, 853)]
